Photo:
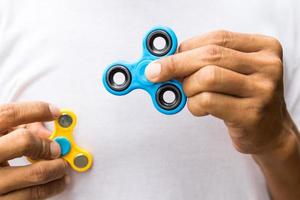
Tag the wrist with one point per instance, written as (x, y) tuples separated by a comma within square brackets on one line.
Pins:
[(281, 163), (284, 147)]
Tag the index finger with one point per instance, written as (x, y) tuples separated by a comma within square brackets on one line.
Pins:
[(238, 41), (15, 114), (188, 62)]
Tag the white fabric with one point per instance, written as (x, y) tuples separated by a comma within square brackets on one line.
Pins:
[(55, 51)]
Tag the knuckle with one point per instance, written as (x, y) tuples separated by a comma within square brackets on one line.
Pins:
[(39, 174), (255, 113), (38, 192), (277, 62), (208, 75), (268, 89), (213, 53), (42, 106), (268, 86), (277, 68), (39, 107), (182, 47), (43, 171), (8, 113), (171, 68), (205, 99), (223, 36), (193, 108), (199, 104), (186, 86), (24, 140), (62, 166), (222, 32), (276, 46), (274, 66)]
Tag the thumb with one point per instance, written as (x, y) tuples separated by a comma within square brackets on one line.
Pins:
[(176, 66), (22, 142), (159, 71)]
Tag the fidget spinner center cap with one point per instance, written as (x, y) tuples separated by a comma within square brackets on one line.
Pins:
[(65, 145), (141, 72)]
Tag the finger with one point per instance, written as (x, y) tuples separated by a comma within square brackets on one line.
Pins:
[(4, 164), (3, 132), (228, 108), (219, 80), (238, 41), (15, 178), (186, 63), (39, 129), (38, 192), (21, 142), (15, 114)]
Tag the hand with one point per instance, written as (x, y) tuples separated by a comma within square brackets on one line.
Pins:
[(235, 77), (41, 179)]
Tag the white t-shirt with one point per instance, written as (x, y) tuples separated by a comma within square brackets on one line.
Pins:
[(56, 51)]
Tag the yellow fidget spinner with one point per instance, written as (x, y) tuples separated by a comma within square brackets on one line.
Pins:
[(79, 159)]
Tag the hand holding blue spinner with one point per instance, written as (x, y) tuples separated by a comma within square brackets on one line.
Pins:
[(134, 73)]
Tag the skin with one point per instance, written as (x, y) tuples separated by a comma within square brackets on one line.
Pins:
[(34, 181), (238, 78)]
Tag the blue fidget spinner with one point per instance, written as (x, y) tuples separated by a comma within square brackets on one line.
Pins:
[(134, 73)]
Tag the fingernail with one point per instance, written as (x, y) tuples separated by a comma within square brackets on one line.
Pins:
[(55, 150), (67, 180), (152, 71), (54, 111)]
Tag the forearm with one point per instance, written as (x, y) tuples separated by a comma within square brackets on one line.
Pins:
[(281, 165)]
